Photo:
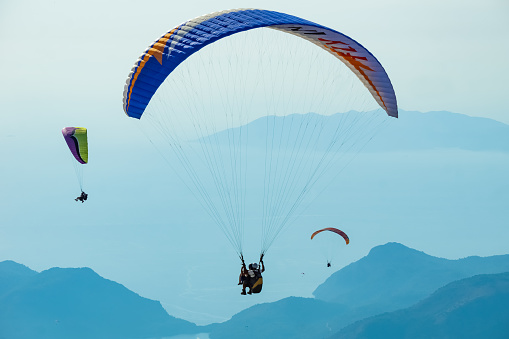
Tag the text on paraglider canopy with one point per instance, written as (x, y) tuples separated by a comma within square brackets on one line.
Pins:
[(352, 59)]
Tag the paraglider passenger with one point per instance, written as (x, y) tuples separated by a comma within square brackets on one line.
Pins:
[(328, 264), (82, 197), (243, 274), (251, 276)]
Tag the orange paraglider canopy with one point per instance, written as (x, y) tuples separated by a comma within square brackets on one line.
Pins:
[(335, 230)]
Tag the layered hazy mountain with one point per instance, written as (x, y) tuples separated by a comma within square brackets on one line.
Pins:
[(77, 303), (393, 276), (411, 131), (475, 307), (390, 277)]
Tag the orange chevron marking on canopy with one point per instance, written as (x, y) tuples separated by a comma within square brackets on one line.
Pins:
[(156, 50)]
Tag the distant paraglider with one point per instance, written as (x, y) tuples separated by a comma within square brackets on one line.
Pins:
[(76, 139), (335, 230)]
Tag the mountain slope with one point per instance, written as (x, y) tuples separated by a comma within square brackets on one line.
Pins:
[(393, 276), (12, 274), (78, 303), (475, 307), (287, 318)]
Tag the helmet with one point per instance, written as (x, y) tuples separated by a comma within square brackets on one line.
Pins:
[(254, 265)]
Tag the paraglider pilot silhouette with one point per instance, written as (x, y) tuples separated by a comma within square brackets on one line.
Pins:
[(82, 197), (251, 277)]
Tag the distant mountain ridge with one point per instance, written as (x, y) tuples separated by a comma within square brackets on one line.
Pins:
[(393, 276), (441, 130), (353, 303), (411, 131), (77, 303), (475, 307)]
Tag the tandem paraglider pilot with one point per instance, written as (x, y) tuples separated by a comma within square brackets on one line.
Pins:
[(251, 277)]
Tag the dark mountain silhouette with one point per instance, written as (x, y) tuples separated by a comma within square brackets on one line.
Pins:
[(475, 307), (393, 276), (78, 303)]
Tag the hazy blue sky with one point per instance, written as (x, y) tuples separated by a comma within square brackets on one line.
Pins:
[(448, 55), (64, 63)]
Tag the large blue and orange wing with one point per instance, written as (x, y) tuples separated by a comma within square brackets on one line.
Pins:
[(165, 54)]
